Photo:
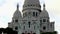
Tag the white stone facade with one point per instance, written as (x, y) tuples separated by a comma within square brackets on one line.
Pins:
[(34, 20)]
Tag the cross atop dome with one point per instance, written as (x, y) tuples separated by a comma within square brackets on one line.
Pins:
[(17, 6), (44, 6)]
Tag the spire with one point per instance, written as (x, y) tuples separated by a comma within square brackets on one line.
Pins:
[(17, 6), (43, 6)]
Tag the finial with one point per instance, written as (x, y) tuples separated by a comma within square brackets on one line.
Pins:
[(44, 6), (17, 6)]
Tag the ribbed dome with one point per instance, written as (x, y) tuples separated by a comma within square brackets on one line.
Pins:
[(17, 12), (32, 2), (44, 14)]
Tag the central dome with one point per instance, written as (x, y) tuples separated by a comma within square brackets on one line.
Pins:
[(32, 2)]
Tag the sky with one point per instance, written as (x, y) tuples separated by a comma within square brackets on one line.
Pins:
[(8, 7)]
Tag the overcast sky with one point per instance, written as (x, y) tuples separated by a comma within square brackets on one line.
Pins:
[(8, 7)]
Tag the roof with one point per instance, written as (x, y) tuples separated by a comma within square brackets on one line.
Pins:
[(44, 13)]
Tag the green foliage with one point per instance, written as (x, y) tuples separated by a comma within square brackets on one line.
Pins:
[(49, 32), (8, 30)]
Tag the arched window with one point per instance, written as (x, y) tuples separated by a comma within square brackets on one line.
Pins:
[(24, 27), (29, 24), (40, 22), (24, 14), (44, 20), (16, 20), (33, 13), (36, 14)]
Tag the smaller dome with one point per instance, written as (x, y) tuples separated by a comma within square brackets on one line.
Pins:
[(17, 12), (44, 13)]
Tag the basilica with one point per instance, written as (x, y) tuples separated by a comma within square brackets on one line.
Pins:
[(33, 21)]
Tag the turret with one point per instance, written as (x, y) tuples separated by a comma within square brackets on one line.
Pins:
[(44, 12), (17, 14)]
